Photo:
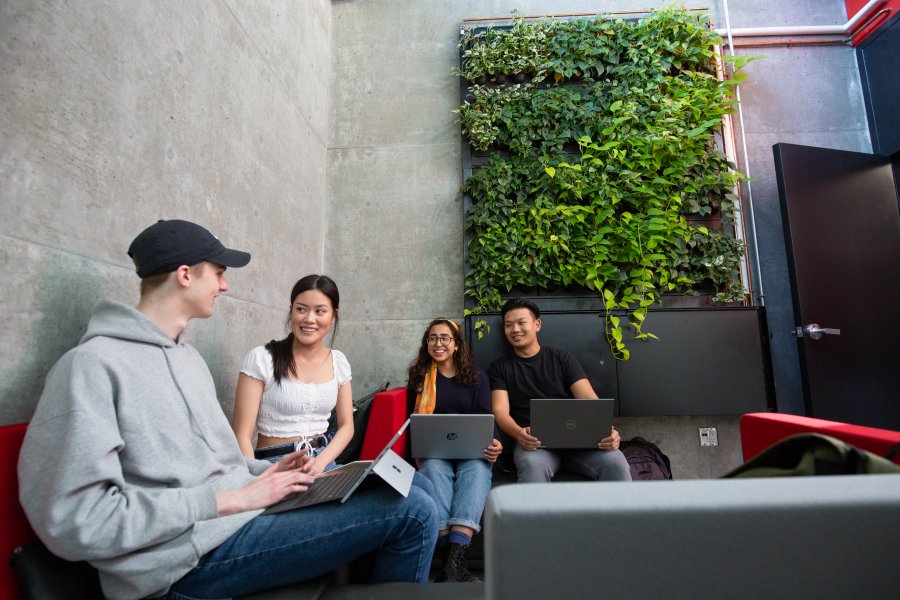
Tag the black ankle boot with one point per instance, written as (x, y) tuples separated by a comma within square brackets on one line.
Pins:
[(440, 553), (455, 566)]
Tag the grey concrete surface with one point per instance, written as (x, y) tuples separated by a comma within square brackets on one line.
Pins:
[(320, 137), (380, 351), (679, 439), (114, 115)]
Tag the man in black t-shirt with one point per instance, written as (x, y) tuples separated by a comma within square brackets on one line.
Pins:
[(533, 371)]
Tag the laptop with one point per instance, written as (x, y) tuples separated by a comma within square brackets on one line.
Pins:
[(450, 436), (340, 483), (567, 423)]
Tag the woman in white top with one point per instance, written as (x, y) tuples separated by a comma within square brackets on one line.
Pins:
[(287, 389)]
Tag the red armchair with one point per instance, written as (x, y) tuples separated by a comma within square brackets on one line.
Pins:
[(387, 414), (15, 530), (761, 430)]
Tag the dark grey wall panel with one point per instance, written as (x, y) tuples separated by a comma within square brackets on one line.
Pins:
[(706, 362)]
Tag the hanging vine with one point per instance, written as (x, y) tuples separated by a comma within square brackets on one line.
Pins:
[(596, 157)]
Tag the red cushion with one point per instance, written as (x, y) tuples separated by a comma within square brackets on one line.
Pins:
[(388, 413), (15, 529), (761, 430)]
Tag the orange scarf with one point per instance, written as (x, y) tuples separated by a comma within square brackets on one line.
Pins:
[(427, 396)]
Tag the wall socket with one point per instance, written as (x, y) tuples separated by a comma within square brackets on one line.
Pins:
[(708, 436)]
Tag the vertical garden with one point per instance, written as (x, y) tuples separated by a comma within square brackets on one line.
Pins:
[(599, 165)]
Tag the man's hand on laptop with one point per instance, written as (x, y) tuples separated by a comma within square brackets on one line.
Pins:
[(528, 441), (272, 486), (611, 442), (297, 460)]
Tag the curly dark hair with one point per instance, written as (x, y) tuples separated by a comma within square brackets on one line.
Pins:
[(466, 371), (282, 351)]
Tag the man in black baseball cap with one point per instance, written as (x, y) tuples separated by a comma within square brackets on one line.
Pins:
[(166, 245), (148, 476)]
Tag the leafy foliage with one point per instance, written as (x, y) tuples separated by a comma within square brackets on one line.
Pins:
[(596, 161)]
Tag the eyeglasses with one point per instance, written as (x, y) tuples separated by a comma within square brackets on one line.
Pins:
[(443, 340)]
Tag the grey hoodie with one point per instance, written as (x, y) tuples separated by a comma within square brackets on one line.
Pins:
[(125, 452)]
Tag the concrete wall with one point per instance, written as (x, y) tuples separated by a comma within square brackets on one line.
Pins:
[(395, 221), (116, 114)]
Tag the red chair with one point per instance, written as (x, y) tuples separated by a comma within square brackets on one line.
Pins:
[(15, 530), (761, 430), (387, 414)]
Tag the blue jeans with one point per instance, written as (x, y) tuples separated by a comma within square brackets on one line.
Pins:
[(297, 545), (460, 490), (541, 465)]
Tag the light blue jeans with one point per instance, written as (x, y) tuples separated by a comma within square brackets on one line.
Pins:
[(541, 465), (297, 545), (460, 490)]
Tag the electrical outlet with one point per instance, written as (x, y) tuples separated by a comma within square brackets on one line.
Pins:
[(708, 436)]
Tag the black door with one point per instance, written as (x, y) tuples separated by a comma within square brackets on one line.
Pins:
[(842, 232)]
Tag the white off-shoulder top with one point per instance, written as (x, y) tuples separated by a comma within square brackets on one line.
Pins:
[(293, 408)]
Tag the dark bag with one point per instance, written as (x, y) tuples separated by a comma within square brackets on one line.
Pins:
[(813, 454), (646, 460), (361, 409), (44, 576)]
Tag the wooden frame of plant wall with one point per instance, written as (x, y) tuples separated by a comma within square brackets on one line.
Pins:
[(598, 163)]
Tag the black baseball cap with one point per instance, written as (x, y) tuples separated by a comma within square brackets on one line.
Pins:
[(166, 245)]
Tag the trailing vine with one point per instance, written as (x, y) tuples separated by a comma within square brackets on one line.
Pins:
[(589, 183)]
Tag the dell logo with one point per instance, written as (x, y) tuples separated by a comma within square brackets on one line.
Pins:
[(570, 424), (451, 436)]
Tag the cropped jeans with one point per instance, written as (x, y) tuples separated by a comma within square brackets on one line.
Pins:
[(297, 545), (460, 490)]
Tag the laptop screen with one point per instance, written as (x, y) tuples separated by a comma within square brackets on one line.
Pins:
[(571, 423)]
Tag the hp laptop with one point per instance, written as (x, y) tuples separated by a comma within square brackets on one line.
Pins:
[(450, 436), (566, 423), (340, 483)]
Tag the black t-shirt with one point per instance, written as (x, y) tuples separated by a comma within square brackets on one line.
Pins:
[(548, 374)]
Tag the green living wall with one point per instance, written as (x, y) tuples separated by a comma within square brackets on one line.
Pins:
[(600, 164)]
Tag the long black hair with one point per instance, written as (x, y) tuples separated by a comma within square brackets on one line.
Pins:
[(282, 351), (466, 371)]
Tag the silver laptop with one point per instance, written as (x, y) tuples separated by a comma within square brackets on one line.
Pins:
[(567, 423), (340, 483), (450, 436)]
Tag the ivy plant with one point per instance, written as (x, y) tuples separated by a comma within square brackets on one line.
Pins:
[(595, 163), (708, 260)]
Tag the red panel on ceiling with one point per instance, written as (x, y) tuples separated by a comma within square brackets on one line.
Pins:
[(853, 6)]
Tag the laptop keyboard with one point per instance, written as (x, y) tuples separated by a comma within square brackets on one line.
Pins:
[(332, 487), (323, 489)]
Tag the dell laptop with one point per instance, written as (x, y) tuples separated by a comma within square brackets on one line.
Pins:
[(450, 436), (567, 423), (340, 483)]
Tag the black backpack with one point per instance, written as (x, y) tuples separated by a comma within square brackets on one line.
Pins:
[(645, 460)]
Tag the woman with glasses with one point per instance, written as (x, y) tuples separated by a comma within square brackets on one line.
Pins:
[(444, 379), (287, 389)]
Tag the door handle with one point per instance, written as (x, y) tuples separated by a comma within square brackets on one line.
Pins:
[(815, 332)]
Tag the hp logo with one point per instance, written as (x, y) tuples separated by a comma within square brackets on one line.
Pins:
[(451, 436)]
